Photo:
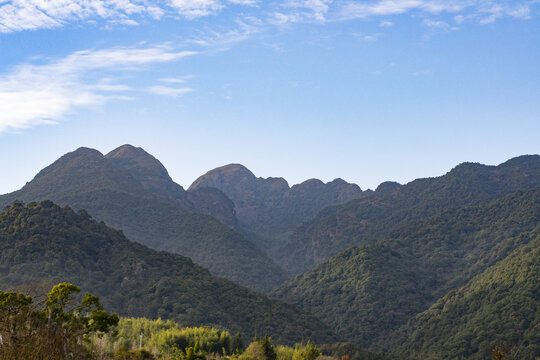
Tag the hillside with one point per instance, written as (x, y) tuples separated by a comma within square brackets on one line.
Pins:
[(366, 292), (43, 243), (131, 193), (269, 208), (366, 220), (498, 306)]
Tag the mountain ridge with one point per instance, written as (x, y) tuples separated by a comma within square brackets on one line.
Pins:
[(85, 179), (365, 220)]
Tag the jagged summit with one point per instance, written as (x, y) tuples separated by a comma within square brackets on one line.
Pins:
[(268, 206)]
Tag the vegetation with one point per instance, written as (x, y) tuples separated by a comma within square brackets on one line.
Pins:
[(55, 330), (349, 351), (127, 193), (43, 243), (498, 306), (163, 338), (366, 292), (368, 220)]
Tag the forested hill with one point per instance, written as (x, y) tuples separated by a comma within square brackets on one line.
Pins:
[(270, 208), (43, 243), (129, 190), (499, 306), (364, 221), (366, 292)]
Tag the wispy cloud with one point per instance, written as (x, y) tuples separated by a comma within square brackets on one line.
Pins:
[(33, 94), (368, 37), (292, 11), (169, 91), (19, 15), (484, 11), (219, 40), (196, 8)]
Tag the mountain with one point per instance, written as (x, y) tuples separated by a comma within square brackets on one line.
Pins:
[(364, 221), (366, 292), (130, 190), (269, 208), (499, 306), (155, 179), (43, 243)]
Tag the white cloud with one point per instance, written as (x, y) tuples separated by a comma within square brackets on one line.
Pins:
[(33, 94), (485, 11), (293, 11), (173, 80), (215, 40), (435, 24), (386, 23), (196, 8), (354, 9), (18, 15), (244, 2), (169, 91), (368, 37)]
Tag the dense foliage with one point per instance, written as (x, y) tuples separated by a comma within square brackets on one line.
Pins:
[(349, 351), (168, 337), (498, 306), (114, 189), (367, 220), (42, 242), (366, 292), (56, 329)]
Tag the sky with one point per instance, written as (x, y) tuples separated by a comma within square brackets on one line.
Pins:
[(364, 90)]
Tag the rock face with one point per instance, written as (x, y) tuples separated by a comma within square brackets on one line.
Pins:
[(131, 190), (269, 208)]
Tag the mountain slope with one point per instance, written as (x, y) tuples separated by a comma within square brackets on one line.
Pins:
[(499, 306), (115, 193), (367, 291), (45, 243), (155, 179), (366, 220), (270, 208)]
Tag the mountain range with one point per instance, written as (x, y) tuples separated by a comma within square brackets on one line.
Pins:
[(364, 221), (444, 267), (130, 190)]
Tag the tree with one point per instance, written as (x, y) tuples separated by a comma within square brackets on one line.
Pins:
[(306, 352), (54, 331)]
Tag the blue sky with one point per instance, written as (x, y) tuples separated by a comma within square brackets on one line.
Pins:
[(367, 91)]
